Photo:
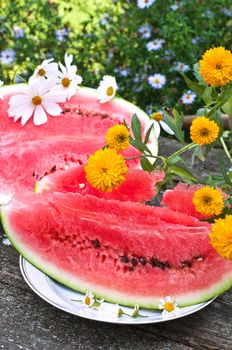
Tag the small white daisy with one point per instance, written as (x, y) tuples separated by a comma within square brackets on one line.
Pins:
[(18, 32), (88, 299), (1, 84), (7, 56), (181, 67), (107, 88), (68, 79), (145, 3), (145, 30), (47, 69), (38, 99), (62, 33), (169, 306), (157, 81), (155, 45), (157, 122), (188, 97)]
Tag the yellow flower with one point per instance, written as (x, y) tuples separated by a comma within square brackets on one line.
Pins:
[(216, 66), (221, 237), (208, 201), (105, 169), (117, 137), (204, 131)]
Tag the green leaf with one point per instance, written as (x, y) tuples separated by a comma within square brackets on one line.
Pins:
[(194, 86), (198, 153), (207, 95), (139, 146), (148, 135), (174, 160), (227, 107), (197, 73), (223, 171), (145, 164), (184, 174), (136, 127), (175, 124)]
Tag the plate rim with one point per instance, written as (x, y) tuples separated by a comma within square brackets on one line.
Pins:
[(23, 261)]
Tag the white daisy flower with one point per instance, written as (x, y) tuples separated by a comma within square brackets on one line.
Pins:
[(120, 311), (47, 69), (38, 99), (98, 304), (155, 45), (188, 97), (68, 79), (62, 33), (88, 299), (145, 3), (7, 56), (145, 30), (1, 84), (18, 32), (157, 122), (157, 81), (169, 306), (181, 67), (107, 88)]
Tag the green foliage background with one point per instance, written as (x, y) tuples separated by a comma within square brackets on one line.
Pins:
[(104, 38)]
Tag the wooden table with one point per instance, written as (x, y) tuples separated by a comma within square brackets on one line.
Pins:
[(29, 323)]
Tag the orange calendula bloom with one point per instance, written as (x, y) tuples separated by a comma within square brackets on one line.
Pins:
[(204, 131), (106, 169), (117, 137), (221, 237), (208, 201), (216, 66)]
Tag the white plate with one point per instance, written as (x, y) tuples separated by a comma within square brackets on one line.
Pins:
[(61, 297)]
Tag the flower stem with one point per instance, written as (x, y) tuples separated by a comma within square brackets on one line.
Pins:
[(182, 150), (225, 148)]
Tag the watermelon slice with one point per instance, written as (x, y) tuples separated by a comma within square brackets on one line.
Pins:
[(139, 185), (28, 153), (125, 252)]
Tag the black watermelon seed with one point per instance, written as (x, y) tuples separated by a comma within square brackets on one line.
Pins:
[(125, 259), (134, 261), (154, 262), (96, 243), (186, 263), (53, 169), (131, 268), (142, 261)]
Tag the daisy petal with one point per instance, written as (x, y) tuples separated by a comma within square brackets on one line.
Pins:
[(52, 108), (156, 129), (27, 113), (40, 116), (166, 128)]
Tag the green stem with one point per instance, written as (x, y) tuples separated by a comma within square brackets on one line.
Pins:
[(225, 148), (182, 150)]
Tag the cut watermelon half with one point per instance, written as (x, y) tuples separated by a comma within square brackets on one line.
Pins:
[(125, 252), (29, 152)]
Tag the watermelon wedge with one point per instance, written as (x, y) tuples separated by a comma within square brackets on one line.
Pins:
[(29, 153), (139, 185), (125, 252)]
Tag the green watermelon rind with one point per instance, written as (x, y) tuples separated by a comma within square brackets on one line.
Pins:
[(81, 286)]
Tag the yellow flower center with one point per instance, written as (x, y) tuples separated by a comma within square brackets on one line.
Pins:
[(157, 116), (207, 200), (87, 300), (157, 80), (110, 91), (169, 306), (65, 82), (41, 72), (187, 97), (37, 100)]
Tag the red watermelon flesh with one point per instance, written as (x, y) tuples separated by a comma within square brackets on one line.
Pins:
[(139, 185), (126, 252), (29, 152)]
